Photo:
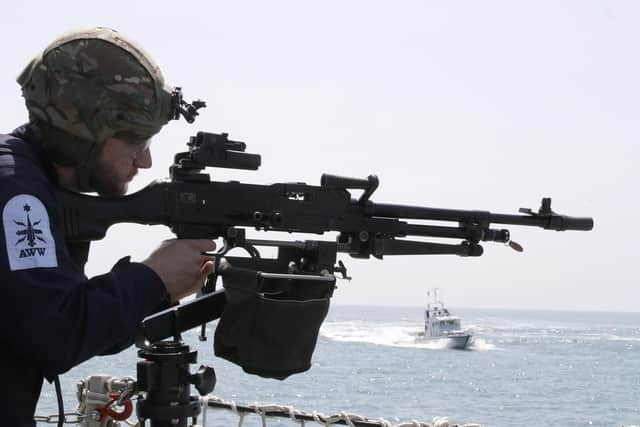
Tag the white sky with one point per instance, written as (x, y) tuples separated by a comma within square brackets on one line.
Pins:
[(473, 105)]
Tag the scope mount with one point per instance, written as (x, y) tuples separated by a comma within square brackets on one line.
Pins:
[(213, 150)]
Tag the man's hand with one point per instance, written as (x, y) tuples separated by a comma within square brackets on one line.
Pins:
[(181, 265)]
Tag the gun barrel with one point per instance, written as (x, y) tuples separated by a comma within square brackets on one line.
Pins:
[(547, 221), (577, 223)]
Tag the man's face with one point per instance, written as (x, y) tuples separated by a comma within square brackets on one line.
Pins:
[(118, 163)]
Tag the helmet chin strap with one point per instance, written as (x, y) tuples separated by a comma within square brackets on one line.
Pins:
[(85, 168)]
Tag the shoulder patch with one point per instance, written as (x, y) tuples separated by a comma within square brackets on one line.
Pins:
[(28, 234)]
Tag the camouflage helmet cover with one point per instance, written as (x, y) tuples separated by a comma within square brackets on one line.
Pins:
[(95, 83)]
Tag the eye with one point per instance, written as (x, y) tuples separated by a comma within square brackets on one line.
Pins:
[(141, 145)]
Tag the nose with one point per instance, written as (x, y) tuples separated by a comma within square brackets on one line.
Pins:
[(143, 159)]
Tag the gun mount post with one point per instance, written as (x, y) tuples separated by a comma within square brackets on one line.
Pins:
[(165, 378), (164, 373)]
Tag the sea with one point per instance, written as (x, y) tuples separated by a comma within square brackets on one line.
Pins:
[(524, 368)]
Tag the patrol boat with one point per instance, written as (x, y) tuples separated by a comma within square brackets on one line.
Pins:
[(439, 324)]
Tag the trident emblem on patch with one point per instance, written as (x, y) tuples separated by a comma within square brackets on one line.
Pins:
[(30, 232)]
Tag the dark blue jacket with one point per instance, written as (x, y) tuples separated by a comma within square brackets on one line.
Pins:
[(53, 317)]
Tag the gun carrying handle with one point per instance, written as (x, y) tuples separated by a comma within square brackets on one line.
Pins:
[(369, 185)]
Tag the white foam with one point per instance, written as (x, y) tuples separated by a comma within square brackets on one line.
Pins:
[(405, 335)]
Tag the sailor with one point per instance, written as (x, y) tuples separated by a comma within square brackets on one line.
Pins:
[(94, 99)]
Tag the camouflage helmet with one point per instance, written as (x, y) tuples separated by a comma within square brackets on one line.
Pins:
[(91, 85)]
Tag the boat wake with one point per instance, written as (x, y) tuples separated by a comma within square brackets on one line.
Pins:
[(389, 335), (479, 344)]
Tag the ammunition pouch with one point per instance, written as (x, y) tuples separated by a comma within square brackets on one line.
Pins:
[(271, 322)]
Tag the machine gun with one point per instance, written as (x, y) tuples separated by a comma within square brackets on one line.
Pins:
[(195, 206)]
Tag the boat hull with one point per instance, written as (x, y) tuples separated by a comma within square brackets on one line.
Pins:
[(458, 342)]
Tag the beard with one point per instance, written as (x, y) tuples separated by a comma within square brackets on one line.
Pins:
[(105, 181)]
